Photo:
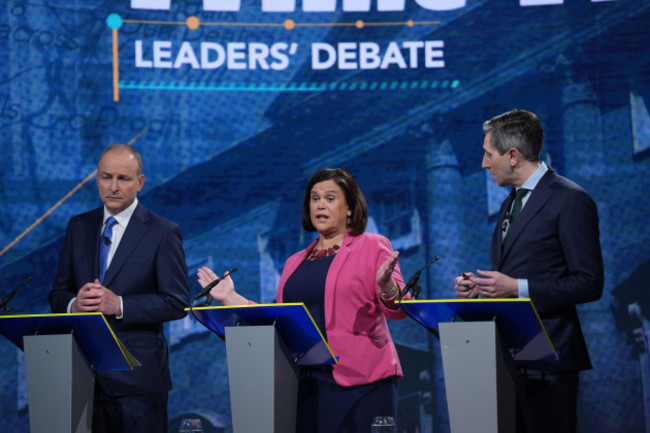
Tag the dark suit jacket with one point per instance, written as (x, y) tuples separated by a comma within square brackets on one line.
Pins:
[(555, 245), (149, 271)]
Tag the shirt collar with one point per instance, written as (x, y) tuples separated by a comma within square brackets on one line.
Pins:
[(534, 178), (124, 216)]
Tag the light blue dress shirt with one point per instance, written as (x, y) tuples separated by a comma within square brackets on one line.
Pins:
[(530, 185)]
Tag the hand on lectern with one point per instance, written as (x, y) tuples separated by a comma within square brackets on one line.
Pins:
[(493, 284), (93, 297), (88, 298), (465, 285)]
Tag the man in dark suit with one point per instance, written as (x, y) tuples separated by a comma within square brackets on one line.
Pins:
[(145, 284), (545, 247)]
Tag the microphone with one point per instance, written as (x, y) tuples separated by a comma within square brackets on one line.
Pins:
[(5, 301), (107, 240), (206, 289), (413, 282)]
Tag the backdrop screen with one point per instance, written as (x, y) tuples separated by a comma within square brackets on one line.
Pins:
[(235, 104)]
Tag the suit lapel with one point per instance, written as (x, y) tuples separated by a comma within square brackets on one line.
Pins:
[(497, 238), (132, 236), (91, 243), (538, 198), (333, 275)]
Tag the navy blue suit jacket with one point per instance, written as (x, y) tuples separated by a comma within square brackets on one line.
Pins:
[(555, 244), (150, 273)]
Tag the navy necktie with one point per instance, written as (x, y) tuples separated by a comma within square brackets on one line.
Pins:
[(516, 210), (105, 245)]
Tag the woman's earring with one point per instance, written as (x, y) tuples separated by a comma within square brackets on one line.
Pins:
[(348, 222)]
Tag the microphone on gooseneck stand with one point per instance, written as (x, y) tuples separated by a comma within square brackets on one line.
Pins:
[(413, 282), (4, 303), (208, 301), (206, 289)]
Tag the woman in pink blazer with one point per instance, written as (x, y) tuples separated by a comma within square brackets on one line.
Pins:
[(349, 280)]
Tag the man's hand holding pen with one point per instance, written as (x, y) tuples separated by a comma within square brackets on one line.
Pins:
[(465, 286), (488, 284)]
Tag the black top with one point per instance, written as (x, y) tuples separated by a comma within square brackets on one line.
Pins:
[(307, 285)]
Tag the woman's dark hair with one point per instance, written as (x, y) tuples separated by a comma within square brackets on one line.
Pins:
[(353, 196)]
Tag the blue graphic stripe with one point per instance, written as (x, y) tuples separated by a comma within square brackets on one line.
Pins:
[(295, 87)]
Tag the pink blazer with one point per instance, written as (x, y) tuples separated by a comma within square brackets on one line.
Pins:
[(355, 317)]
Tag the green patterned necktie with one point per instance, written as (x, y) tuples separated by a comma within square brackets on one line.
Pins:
[(516, 210)]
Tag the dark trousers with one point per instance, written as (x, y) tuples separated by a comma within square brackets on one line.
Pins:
[(326, 407), (547, 402), (131, 414)]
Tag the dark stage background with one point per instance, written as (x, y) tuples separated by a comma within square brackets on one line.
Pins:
[(234, 106)]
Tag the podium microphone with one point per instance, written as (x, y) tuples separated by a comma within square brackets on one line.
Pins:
[(206, 289), (413, 282), (4, 303)]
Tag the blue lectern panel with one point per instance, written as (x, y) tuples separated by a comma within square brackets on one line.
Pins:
[(517, 320), (92, 333), (293, 322)]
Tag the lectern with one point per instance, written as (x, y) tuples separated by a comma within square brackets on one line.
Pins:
[(266, 344), (480, 340), (62, 351)]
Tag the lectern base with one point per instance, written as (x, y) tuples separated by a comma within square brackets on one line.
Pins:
[(263, 383), (60, 385), (479, 378)]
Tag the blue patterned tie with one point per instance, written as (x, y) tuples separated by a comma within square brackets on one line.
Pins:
[(105, 245)]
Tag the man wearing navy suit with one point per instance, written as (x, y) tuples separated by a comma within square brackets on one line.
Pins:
[(545, 248), (145, 284)]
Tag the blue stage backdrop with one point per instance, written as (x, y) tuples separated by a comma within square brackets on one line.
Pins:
[(234, 104)]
